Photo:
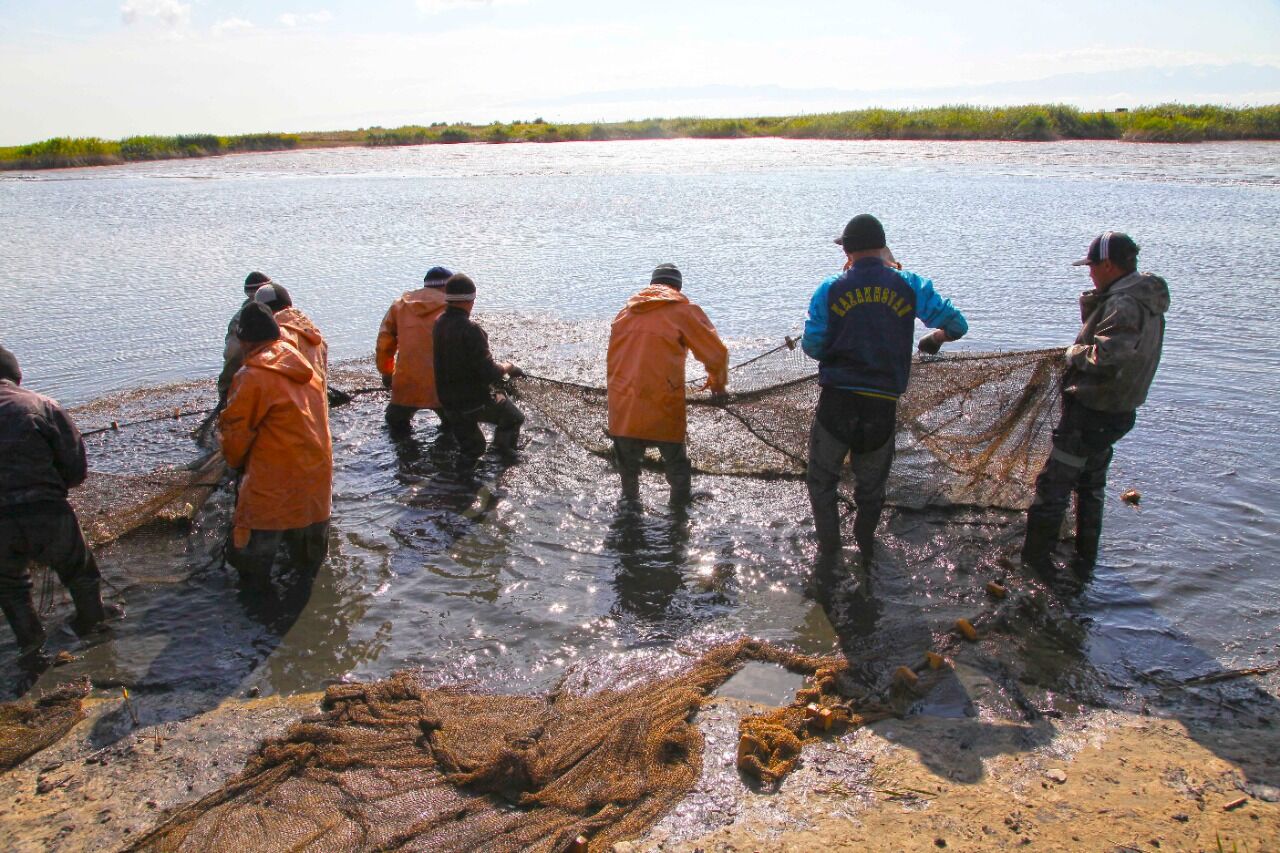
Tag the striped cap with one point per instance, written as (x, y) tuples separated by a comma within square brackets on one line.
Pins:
[(1109, 246)]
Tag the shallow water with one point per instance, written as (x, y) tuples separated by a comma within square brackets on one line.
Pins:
[(123, 278)]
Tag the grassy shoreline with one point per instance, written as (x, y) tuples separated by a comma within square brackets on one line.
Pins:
[(1032, 123)]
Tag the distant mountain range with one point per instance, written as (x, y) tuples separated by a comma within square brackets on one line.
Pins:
[(1234, 85)]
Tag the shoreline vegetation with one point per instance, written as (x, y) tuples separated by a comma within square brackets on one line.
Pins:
[(1033, 123)]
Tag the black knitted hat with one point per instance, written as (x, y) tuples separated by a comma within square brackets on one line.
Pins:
[(9, 368), (257, 325), (436, 277), (253, 281), (667, 274)]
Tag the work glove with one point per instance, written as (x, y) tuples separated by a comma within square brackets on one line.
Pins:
[(514, 372), (930, 344), (386, 380)]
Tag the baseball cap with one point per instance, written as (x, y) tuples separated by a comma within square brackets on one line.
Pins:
[(1109, 246)]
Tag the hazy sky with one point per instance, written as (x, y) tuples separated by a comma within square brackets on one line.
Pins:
[(73, 67)]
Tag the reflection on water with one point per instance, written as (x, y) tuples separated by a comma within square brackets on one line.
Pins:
[(511, 576)]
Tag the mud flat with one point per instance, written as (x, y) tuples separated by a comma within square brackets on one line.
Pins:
[(1101, 780)]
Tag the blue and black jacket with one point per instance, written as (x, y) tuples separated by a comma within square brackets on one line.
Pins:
[(861, 327)]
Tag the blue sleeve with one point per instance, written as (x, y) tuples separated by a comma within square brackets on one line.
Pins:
[(934, 311), (814, 342)]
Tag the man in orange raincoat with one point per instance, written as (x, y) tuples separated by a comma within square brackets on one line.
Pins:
[(648, 345), (276, 429), (295, 327), (406, 357)]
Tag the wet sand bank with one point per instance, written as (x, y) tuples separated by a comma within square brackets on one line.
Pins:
[(1103, 780)]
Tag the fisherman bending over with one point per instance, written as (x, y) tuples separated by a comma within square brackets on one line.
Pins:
[(649, 343), (860, 331), (464, 373), (1109, 370), (406, 358), (41, 457), (232, 357), (276, 428)]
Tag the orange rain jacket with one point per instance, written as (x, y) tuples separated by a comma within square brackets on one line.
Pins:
[(407, 330), (648, 346), (276, 427), (297, 329)]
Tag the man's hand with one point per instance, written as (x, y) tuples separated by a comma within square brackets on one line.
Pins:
[(511, 370), (931, 343), (1076, 351), (386, 380)]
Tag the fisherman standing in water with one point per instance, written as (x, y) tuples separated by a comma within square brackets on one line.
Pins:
[(465, 373), (405, 354), (649, 342), (42, 456), (860, 329), (276, 428), (1109, 370)]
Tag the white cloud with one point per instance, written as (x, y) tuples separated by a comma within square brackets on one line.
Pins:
[(231, 25), (295, 19), (431, 7), (168, 12)]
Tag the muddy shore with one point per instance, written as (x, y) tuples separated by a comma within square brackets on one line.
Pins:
[(1103, 780)]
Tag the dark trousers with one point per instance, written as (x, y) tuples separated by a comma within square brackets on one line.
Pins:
[(1081, 454), (628, 453), (307, 548), (400, 417), (47, 536), (501, 412), (860, 428)]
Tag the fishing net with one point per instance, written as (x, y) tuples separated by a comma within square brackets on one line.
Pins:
[(973, 428), (27, 726), (396, 765)]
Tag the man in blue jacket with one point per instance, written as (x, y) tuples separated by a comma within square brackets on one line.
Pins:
[(860, 329)]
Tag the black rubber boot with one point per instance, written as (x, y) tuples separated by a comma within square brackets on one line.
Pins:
[(1037, 547), (864, 533), (680, 479), (630, 486), (90, 611), (25, 622), (1088, 538)]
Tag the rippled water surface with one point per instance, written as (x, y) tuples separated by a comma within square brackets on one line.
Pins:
[(123, 278)]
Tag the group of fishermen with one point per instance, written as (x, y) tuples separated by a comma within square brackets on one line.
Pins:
[(274, 410)]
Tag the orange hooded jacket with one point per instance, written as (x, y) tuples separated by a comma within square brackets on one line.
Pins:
[(276, 427), (296, 328), (648, 345), (406, 330)]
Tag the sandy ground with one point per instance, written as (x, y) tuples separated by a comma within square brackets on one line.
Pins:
[(1099, 781)]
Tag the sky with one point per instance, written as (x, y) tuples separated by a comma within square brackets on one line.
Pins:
[(124, 67)]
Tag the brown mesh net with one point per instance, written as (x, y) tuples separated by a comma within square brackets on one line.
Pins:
[(26, 727), (973, 429), (395, 765)]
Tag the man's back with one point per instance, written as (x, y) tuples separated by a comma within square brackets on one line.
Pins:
[(464, 367), (41, 452)]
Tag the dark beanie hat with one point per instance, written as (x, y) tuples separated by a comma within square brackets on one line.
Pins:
[(667, 274), (863, 232), (257, 324), (459, 288), (274, 296), (254, 280), (9, 368), (436, 277)]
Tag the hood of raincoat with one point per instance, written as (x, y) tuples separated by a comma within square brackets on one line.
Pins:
[(281, 357), (655, 296), (424, 301), (300, 323)]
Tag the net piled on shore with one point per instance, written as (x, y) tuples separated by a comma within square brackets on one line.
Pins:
[(397, 765), (973, 428)]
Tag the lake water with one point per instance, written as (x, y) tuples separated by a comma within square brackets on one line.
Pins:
[(120, 279)]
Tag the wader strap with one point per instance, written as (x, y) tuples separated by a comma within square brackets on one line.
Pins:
[(1069, 459)]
